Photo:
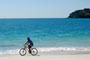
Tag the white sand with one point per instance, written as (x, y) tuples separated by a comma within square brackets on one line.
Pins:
[(47, 57)]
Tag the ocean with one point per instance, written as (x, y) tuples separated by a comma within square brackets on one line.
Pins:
[(50, 35)]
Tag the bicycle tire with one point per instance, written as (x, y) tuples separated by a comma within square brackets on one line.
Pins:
[(20, 52), (34, 50)]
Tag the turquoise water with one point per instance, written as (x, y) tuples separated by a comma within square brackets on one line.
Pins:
[(48, 34)]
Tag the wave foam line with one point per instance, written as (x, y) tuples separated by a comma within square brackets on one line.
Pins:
[(49, 49), (9, 52), (63, 49)]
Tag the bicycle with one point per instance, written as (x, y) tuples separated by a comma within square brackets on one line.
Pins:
[(24, 50)]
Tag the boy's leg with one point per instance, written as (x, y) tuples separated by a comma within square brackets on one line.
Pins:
[(29, 46)]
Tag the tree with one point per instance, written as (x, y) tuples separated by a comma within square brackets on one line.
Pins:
[(85, 13)]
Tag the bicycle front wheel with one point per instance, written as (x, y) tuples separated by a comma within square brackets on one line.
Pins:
[(22, 52)]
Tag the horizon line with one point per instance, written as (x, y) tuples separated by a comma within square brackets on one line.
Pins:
[(21, 18)]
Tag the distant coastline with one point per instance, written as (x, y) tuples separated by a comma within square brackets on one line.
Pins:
[(83, 13)]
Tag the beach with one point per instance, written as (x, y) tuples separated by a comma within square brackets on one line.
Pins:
[(47, 57), (55, 39)]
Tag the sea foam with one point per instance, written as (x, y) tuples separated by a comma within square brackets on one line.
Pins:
[(50, 49)]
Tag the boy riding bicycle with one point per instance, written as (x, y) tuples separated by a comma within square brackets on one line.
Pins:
[(29, 44)]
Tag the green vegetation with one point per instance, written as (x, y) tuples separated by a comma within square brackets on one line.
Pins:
[(85, 13)]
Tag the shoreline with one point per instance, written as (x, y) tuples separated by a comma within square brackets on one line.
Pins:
[(47, 57), (51, 51)]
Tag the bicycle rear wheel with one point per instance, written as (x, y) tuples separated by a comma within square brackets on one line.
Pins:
[(34, 51)]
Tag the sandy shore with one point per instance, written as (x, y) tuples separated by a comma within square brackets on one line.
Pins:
[(47, 57)]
